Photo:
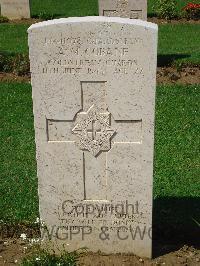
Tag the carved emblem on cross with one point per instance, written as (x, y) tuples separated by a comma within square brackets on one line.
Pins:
[(93, 130)]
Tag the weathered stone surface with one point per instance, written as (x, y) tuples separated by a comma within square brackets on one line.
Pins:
[(134, 9), (15, 9), (94, 83)]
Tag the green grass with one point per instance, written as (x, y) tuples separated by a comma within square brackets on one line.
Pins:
[(177, 163), (179, 43), (67, 8), (18, 188), (176, 150), (13, 38), (177, 156)]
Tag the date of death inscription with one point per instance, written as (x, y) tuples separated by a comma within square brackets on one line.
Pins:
[(76, 56)]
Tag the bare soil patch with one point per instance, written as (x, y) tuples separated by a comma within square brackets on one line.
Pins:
[(10, 77), (172, 21), (28, 21), (184, 76), (12, 251), (186, 256)]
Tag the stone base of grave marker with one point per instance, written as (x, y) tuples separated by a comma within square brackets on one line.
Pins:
[(133, 9), (15, 9)]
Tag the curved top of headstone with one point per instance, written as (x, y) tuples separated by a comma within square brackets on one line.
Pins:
[(136, 22)]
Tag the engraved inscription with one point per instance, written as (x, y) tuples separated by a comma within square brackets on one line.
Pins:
[(136, 14), (120, 11), (110, 13), (100, 56)]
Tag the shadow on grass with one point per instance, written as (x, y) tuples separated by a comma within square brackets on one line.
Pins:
[(46, 16), (169, 59), (176, 222), (152, 15)]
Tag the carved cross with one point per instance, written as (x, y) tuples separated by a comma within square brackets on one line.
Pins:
[(95, 132)]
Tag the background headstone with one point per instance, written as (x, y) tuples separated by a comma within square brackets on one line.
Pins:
[(15, 9), (94, 83), (134, 9)]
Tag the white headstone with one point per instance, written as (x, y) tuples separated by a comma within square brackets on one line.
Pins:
[(134, 9), (94, 81), (15, 9)]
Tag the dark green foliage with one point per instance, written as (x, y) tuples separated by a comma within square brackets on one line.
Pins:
[(152, 4), (166, 9), (3, 19), (15, 63), (44, 258), (192, 11)]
